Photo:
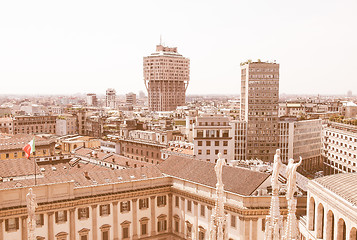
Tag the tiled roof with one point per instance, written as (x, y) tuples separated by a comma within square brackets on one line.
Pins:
[(17, 167), (237, 180), (109, 157), (96, 175), (343, 184), (18, 141)]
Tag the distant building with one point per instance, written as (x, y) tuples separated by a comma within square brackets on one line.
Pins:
[(166, 76), (35, 124), (259, 108), (91, 99), (6, 125), (212, 135), (110, 98), (66, 125), (239, 134), (339, 148), (130, 99)]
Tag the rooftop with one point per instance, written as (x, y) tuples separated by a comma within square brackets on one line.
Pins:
[(342, 184)]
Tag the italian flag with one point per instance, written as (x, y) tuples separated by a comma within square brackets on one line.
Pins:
[(29, 148)]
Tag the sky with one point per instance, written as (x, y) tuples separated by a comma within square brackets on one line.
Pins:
[(68, 47)]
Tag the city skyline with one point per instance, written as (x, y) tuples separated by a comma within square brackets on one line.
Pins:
[(90, 47)]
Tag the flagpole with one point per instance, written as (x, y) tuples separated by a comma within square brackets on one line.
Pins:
[(34, 161)]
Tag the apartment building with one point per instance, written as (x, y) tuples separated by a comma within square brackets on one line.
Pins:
[(212, 135)]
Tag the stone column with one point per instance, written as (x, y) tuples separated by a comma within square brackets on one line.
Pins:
[(135, 218), (195, 224), (153, 219), (94, 222), (72, 224), (170, 213), (115, 221), (1, 230), (244, 227), (24, 227), (254, 229), (50, 226), (183, 216)]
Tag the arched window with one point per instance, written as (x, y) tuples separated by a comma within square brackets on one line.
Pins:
[(353, 234), (330, 225), (320, 221), (341, 229)]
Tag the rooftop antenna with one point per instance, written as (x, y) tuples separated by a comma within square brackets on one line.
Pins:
[(160, 39)]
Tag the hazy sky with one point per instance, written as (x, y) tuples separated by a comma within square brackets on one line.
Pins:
[(65, 47)]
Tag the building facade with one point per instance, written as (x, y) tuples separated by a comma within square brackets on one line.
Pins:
[(339, 148), (239, 134), (212, 135), (66, 125), (301, 139), (91, 99), (259, 108), (166, 76), (130, 98), (35, 124)]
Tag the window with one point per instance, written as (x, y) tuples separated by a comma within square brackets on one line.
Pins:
[(11, 224), (125, 206), (104, 210), (208, 143), (189, 205), (199, 143), (203, 208), (83, 233), (105, 235), (225, 151), (216, 151), (216, 143), (188, 230), (161, 225), (201, 233), (161, 201), (105, 229), (143, 203), (7, 155), (233, 221), (125, 231), (176, 223), (144, 225), (225, 143), (61, 216), (39, 220), (83, 213), (208, 152), (199, 151), (177, 201), (144, 228)]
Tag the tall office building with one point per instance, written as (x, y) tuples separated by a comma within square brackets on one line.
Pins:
[(259, 108), (166, 76), (110, 98)]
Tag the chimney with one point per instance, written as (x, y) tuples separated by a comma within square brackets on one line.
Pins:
[(86, 175)]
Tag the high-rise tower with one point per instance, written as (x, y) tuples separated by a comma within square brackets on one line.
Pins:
[(259, 108), (110, 98), (166, 76)]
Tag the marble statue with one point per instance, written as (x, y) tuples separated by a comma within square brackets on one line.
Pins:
[(291, 178), (276, 170), (218, 169), (31, 208)]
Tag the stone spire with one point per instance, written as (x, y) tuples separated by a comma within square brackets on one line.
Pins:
[(218, 229), (31, 208), (274, 222)]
